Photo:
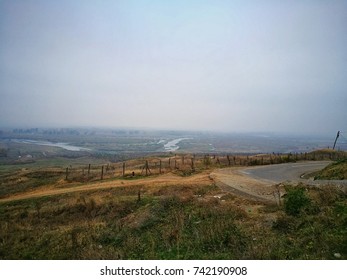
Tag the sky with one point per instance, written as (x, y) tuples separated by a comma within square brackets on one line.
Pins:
[(233, 66)]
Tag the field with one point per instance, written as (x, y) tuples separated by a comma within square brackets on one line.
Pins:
[(157, 204)]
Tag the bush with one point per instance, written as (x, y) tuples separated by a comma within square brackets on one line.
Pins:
[(296, 201)]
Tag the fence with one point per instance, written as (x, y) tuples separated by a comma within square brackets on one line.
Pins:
[(185, 164)]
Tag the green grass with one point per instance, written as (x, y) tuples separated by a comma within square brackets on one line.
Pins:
[(12, 183)]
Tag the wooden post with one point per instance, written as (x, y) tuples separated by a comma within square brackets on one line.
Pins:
[(229, 163), (102, 172), (175, 164), (160, 166), (67, 173), (88, 169), (123, 172), (217, 161), (193, 168), (337, 136), (147, 168)]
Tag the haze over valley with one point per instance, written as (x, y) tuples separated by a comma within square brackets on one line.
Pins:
[(223, 66), (161, 130)]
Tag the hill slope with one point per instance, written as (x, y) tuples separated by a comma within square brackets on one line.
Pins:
[(334, 171)]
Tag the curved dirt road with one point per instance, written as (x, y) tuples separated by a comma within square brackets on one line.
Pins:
[(259, 183), (279, 173), (256, 183), (163, 180)]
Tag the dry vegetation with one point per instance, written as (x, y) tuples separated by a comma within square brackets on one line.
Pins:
[(335, 171), (179, 214)]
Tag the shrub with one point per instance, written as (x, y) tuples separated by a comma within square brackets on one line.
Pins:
[(296, 201)]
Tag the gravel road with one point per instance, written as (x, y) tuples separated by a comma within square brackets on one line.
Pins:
[(279, 173), (259, 183)]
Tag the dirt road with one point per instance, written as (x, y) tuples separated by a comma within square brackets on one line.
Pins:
[(235, 181), (284, 172), (163, 180), (259, 183)]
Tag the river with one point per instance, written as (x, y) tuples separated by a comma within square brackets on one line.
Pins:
[(172, 145), (65, 146)]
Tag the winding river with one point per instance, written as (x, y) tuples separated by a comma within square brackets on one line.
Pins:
[(172, 145), (65, 146)]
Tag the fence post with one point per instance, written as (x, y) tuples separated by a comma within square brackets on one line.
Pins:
[(67, 173), (160, 166), (217, 161), (102, 172), (147, 169), (123, 171), (139, 196)]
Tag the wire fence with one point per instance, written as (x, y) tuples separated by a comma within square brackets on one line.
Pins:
[(186, 164)]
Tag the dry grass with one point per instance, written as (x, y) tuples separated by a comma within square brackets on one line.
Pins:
[(174, 215)]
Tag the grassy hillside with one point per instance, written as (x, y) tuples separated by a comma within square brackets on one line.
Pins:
[(334, 171), (172, 222), (151, 217)]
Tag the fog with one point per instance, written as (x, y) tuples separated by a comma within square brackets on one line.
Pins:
[(234, 66)]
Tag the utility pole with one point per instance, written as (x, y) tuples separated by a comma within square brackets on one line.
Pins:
[(337, 136)]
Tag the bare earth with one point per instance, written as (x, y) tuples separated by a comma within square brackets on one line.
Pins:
[(255, 183), (163, 180), (234, 181), (262, 183)]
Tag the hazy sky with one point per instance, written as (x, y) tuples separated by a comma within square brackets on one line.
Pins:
[(277, 66)]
